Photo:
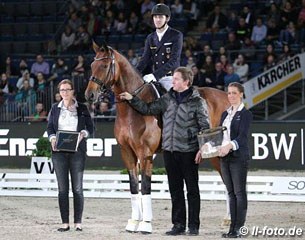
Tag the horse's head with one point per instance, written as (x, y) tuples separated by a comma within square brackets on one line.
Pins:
[(103, 70)]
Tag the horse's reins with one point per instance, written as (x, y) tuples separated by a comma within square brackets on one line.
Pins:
[(110, 73)]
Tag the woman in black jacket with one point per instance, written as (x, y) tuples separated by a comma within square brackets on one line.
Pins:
[(69, 115), (235, 156)]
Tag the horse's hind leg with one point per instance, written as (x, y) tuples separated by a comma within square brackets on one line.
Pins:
[(145, 226), (130, 161)]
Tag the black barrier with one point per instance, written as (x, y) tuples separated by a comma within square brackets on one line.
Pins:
[(273, 145)]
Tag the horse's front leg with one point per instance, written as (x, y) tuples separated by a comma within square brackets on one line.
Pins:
[(130, 161), (145, 226)]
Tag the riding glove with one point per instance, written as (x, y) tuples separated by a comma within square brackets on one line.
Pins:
[(149, 78)]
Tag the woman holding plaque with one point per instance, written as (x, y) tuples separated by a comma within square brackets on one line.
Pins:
[(235, 156), (73, 117)]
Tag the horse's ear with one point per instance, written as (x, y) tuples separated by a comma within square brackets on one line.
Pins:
[(104, 46), (100, 47), (96, 48)]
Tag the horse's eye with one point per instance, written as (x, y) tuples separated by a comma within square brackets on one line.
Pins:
[(105, 66)]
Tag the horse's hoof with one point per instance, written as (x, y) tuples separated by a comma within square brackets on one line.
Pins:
[(132, 225), (226, 222), (145, 227)]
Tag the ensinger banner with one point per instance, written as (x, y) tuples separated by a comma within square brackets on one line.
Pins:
[(273, 145)]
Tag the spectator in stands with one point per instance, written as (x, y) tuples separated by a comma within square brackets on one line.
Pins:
[(93, 25), (248, 49), (41, 82), (40, 115), (288, 35), (241, 68), (9, 68), (147, 5), (177, 9), (103, 112), (59, 71), (272, 31), (301, 25), (74, 22), (271, 62), (243, 30), (82, 40), (231, 76), (269, 51), (207, 51), (248, 16), (221, 51), (259, 32), (199, 77), (132, 58), (162, 49), (190, 62), (233, 44), (22, 67), (286, 53), (147, 23), (41, 89), (287, 15), (57, 97), (120, 24), (40, 66), (217, 79), (185, 57), (192, 44), (217, 21), (208, 66), (132, 23), (26, 99), (190, 10), (67, 39), (232, 22), (6, 89), (25, 77), (80, 68), (224, 62), (274, 13)]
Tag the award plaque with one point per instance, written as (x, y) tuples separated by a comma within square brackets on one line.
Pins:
[(67, 141)]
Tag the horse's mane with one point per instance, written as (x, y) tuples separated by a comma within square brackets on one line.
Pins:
[(123, 60)]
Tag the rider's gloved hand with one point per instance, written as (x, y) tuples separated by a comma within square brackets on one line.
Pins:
[(149, 78)]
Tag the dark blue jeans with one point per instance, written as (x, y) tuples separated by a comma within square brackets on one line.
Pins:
[(234, 173), (75, 164), (180, 168)]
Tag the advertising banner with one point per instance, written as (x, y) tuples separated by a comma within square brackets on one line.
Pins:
[(274, 80), (273, 145)]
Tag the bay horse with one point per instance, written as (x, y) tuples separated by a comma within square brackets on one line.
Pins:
[(138, 136)]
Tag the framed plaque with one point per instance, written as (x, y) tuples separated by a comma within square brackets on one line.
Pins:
[(67, 141)]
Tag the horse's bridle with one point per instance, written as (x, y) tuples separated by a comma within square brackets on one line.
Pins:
[(110, 73)]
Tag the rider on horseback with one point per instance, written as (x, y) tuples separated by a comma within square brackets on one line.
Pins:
[(162, 49)]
